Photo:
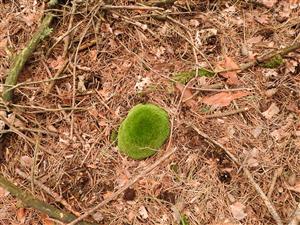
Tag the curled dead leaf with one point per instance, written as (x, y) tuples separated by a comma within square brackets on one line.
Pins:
[(271, 111), (187, 95), (231, 76), (238, 210), (224, 98)]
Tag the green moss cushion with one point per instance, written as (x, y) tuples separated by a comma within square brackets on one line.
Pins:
[(144, 131)]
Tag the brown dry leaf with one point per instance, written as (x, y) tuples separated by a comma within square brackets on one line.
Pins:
[(224, 98), (47, 221), (21, 215), (271, 111), (26, 161), (237, 210), (262, 19), (231, 76), (187, 95), (56, 63)]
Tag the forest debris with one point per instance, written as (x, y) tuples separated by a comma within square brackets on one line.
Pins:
[(256, 131), (26, 161), (231, 76), (21, 215), (224, 98), (238, 210), (187, 95), (143, 212), (271, 111)]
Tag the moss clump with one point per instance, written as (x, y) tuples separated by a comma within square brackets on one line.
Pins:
[(274, 62), (186, 76), (144, 131)]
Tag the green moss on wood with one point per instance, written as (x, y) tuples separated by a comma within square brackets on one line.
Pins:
[(186, 76), (144, 131), (274, 62), (23, 56)]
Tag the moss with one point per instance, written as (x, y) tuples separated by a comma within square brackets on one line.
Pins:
[(144, 131), (186, 76), (274, 62)]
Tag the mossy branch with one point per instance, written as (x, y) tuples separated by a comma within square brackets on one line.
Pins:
[(23, 56), (31, 202), (270, 60)]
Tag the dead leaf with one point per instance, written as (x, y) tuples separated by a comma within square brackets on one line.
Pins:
[(271, 111), (21, 215), (256, 132), (26, 161), (262, 19), (231, 76), (98, 216), (143, 212), (237, 210), (187, 95), (224, 98)]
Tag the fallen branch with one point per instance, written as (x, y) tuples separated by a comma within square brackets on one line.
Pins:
[(31, 202), (264, 58), (24, 55), (264, 197)]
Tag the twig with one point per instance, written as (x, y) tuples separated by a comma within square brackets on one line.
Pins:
[(47, 109), (228, 113), (31, 202), (16, 131), (267, 202), (11, 87), (36, 149), (220, 90), (296, 216), (277, 173), (130, 7), (56, 196)]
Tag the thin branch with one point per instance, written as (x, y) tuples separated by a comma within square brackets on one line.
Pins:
[(228, 113), (264, 197), (130, 7)]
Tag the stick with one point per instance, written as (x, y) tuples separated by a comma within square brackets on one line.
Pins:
[(228, 113), (31, 202), (266, 57), (24, 55), (123, 188), (56, 196), (130, 7), (267, 202)]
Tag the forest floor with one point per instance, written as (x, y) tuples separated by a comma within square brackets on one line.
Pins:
[(118, 57)]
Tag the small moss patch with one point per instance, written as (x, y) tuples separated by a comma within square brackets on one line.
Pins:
[(186, 76), (144, 131), (274, 62)]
